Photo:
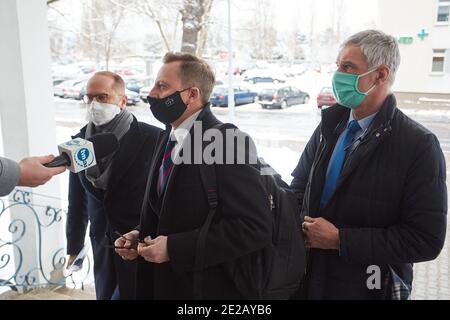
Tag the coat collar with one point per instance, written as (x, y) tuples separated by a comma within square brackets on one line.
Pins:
[(129, 149), (208, 120), (379, 131), (335, 118)]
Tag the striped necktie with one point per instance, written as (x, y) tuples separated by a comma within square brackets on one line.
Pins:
[(166, 167)]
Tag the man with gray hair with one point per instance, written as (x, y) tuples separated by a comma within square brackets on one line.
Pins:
[(370, 183)]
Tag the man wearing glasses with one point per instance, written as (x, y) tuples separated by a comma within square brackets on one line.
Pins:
[(110, 194)]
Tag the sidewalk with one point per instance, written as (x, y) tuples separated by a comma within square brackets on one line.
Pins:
[(60, 293), (432, 279)]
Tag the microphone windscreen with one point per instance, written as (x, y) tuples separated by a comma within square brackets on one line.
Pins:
[(104, 144)]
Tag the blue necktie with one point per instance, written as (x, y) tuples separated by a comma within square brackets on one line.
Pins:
[(166, 167), (338, 161)]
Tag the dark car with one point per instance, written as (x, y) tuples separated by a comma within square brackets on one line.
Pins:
[(282, 97), (133, 97), (242, 95), (326, 98)]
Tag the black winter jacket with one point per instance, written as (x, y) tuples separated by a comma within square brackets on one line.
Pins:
[(390, 202)]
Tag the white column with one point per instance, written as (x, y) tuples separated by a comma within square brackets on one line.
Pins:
[(28, 121)]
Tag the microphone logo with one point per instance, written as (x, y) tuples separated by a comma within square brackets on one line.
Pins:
[(84, 158), (73, 143)]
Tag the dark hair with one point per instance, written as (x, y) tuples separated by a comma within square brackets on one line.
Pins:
[(194, 72), (118, 85)]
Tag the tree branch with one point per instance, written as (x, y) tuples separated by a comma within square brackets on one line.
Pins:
[(49, 2)]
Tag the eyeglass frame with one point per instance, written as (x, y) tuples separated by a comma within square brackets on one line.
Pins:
[(88, 100)]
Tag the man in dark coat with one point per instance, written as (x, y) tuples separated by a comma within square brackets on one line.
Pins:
[(370, 182), (177, 206), (110, 194)]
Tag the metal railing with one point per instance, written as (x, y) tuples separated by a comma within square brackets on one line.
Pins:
[(13, 232)]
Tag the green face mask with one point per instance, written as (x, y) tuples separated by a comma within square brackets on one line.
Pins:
[(345, 88)]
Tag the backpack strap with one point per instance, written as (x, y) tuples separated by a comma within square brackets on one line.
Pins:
[(209, 181)]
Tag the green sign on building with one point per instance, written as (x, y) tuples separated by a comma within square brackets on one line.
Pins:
[(405, 40)]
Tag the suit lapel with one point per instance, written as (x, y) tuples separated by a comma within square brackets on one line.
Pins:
[(382, 130), (208, 120), (154, 171)]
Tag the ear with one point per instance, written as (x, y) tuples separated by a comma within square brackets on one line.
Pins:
[(124, 102), (193, 95), (383, 74)]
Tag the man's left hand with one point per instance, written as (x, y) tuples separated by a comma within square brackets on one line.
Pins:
[(154, 250), (320, 234)]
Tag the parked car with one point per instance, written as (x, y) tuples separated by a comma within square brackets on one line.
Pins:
[(242, 95), (264, 76), (133, 97), (282, 97), (61, 89), (136, 84), (265, 79), (144, 92), (77, 91), (58, 81), (326, 98)]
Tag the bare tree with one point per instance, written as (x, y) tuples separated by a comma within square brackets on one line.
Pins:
[(262, 34), (203, 36), (194, 15), (337, 14), (97, 34), (159, 11), (99, 27)]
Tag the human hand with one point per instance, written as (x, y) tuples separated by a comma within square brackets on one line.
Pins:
[(320, 234), (154, 250), (71, 260), (127, 241), (33, 173)]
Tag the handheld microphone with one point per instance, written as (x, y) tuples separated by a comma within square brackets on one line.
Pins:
[(80, 154)]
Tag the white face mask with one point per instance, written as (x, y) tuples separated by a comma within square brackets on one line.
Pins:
[(101, 113)]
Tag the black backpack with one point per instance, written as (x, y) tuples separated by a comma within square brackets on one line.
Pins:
[(276, 271)]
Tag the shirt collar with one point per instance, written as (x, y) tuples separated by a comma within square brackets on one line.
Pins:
[(363, 123), (183, 129)]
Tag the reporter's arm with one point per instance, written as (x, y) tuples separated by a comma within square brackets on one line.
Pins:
[(9, 175), (33, 173)]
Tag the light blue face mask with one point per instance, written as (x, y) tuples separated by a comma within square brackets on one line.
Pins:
[(345, 88)]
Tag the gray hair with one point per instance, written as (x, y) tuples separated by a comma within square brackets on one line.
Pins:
[(378, 48)]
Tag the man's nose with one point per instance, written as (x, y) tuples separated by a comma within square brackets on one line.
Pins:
[(153, 93)]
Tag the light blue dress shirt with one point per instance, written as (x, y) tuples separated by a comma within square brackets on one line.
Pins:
[(364, 124)]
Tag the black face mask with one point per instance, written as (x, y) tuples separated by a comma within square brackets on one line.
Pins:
[(169, 109)]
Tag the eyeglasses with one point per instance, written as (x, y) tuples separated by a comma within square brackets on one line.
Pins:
[(102, 98)]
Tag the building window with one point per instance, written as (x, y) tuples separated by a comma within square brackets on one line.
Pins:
[(438, 61), (443, 15)]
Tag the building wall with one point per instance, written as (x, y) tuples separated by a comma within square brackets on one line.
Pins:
[(404, 18)]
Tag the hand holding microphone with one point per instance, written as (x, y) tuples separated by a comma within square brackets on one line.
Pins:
[(33, 172), (80, 154)]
